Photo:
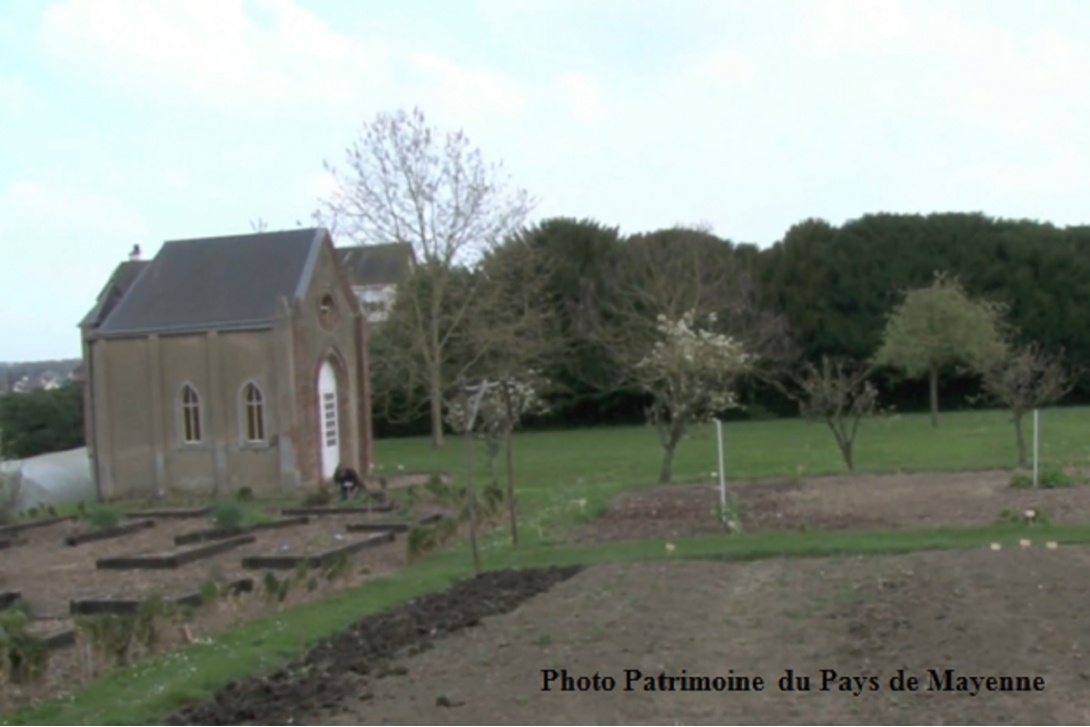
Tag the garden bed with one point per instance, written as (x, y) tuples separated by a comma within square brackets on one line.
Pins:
[(49, 576), (172, 559), (106, 533), (131, 606), (198, 536), (173, 512), (397, 526), (9, 530), (11, 542), (337, 510), (317, 560)]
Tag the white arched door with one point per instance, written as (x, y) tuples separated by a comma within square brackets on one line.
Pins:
[(328, 421)]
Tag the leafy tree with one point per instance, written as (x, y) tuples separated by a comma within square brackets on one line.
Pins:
[(403, 181), (840, 394), (1025, 379), (580, 255), (940, 326), (41, 420)]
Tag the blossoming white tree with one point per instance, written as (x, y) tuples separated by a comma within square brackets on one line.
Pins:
[(690, 374)]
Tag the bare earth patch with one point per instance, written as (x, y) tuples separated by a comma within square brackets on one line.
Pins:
[(980, 613), (860, 502)]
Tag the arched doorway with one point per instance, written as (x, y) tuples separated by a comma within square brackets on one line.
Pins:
[(328, 420)]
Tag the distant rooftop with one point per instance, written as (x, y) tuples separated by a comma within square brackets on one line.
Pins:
[(383, 264)]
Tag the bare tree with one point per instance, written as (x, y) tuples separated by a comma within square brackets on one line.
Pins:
[(1023, 380), (840, 394), (404, 181)]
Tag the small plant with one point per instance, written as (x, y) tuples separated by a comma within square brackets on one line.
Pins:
[(421, 540), (339, 568), (492, 498), (230, 514), (81, 509), (1050, 477), (210, 592), (1021, 480), (108, 636), (245, 494), (23, 656), (153, 611), (1053, 477), (102, 518), (276, 590), (1029, 516), (302, 571), (729, 516)]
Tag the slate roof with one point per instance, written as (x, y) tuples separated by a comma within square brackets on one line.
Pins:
[(217, 283), (385, 264), (120, 281)]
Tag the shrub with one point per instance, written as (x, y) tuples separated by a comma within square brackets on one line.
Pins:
[(229, 514), (245, 494), (104, 517)]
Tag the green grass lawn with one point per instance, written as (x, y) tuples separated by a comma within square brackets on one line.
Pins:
[(557, 469)]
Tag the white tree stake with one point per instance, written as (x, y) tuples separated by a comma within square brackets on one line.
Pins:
[(722, 473), (1036, 440)]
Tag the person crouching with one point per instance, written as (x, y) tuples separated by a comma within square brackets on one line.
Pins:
[(348, 481)]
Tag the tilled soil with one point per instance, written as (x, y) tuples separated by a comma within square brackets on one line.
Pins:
[(333, 677), (980, 613), (857, 502)]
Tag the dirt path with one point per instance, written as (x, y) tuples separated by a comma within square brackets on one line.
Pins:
[(980, 613)]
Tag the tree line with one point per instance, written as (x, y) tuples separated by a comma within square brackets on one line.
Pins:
[(831, 288)]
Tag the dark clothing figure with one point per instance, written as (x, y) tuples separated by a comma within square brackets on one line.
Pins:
[(348, 480)]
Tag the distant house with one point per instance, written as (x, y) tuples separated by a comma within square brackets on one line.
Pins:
[(227, 362), (375, 272)]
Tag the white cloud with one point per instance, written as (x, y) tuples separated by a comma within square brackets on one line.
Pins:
[(80, 211), (458, 94), (15, 96), (317, 185), (212, 52), (68, 240), (584, 98)]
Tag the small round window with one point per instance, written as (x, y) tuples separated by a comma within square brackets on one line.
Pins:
[(326, 311)]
